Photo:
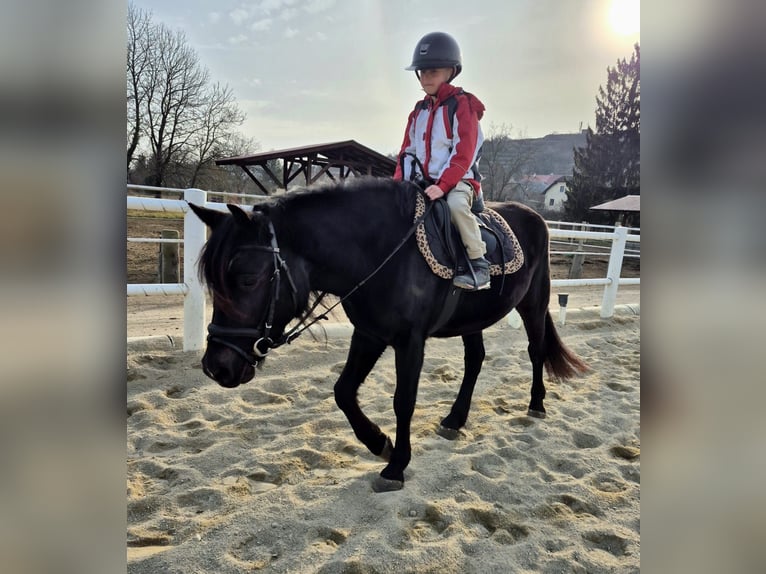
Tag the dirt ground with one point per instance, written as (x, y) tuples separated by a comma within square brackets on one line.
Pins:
[(143, 258), (163, 315)]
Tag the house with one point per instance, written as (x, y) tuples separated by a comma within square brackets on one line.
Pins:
[(542, 192)]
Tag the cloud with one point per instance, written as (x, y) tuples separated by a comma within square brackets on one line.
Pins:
[(214, 17), (269, 6), (261, 25), (291, 33), (316, 6), (239, 15), (315, 93), (238, 39), (252, 107), (316, 37)]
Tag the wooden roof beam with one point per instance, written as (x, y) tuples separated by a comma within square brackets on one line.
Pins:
[(255, 180), (267, 170)]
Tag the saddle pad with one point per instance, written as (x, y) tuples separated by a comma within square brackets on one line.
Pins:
[(442, 262)]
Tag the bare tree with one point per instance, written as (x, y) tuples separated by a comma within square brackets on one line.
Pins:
[(230, 178), (137, 63), (174, 94), (216, 135), (177, 120), (503, 162)]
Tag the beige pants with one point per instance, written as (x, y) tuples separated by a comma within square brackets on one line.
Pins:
[(460, 199)]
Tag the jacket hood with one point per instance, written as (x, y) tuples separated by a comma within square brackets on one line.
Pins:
[(447, 90)]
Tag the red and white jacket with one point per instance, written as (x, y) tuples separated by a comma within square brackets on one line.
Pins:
[(447, 155)]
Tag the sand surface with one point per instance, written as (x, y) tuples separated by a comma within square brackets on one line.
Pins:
[(269, 476), (159, 315)]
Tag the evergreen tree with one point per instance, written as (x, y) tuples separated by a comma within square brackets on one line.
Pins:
[(609, 166)]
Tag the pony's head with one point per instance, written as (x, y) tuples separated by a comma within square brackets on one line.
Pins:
[(253, 290)]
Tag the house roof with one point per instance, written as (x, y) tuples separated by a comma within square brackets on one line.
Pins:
[(626, 203), (540, 183)]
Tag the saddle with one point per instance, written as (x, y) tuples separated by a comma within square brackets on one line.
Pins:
[(440, 244)]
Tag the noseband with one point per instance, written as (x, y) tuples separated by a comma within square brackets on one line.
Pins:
[(264, 343)]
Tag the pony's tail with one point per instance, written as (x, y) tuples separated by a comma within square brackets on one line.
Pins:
[(560, 362)]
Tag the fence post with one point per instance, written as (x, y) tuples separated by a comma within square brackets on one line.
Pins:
[(169, 272), (194, 300), (575, 271), (613, 271)]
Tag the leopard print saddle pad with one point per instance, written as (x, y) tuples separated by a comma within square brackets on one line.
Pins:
[(445, 254)]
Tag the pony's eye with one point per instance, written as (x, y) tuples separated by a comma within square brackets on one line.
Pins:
[(247, 281)]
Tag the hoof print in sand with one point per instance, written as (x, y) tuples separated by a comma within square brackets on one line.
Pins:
[(626, 452), (608, 541), (201, 500)]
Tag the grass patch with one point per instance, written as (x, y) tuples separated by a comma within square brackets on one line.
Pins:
[(154, 214)]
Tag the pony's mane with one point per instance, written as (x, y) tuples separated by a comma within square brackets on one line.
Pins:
[(228, 236), (365, 189)]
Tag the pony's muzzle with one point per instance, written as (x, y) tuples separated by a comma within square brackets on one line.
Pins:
[(227, 368)]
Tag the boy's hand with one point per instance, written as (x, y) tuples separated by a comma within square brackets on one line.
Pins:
[(434, 192)]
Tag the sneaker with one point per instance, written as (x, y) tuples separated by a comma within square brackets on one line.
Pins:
[(477, 280)]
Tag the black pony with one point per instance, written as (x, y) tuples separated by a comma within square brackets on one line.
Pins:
[(354, 240)]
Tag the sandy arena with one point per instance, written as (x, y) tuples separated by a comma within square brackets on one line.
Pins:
[(269, 477)]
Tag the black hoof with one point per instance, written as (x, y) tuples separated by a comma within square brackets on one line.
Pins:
[(388, 448), (536, 414), (381, 484), (448, 433)]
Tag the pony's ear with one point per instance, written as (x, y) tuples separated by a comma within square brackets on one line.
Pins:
[(240, 217), (209, 217)]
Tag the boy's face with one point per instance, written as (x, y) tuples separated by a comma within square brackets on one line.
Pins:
[(432, 79)]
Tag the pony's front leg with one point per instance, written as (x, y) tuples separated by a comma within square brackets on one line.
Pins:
[(474, 357), (362, 356), (409, 362)]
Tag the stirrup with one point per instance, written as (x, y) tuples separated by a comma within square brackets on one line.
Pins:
[(476, 278), (466, 282)]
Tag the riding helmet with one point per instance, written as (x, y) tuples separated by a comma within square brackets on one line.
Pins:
[(437, 50)]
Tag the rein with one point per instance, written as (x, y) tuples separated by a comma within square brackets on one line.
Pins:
[(264, 343)]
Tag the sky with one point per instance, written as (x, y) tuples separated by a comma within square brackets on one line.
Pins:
[(317, 71)]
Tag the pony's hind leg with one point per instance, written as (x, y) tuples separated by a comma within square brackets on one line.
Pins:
[(534, 323), (362, 356), (473, 359)]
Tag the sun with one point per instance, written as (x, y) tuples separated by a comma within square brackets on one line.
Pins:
[(625, 16)]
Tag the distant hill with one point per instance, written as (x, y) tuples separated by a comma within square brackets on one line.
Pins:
[(554, 153), (550, 154)]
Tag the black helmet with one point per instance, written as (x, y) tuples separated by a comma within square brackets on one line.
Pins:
[(437, 50)]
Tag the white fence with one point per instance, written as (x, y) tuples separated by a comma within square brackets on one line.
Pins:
[(194, 236)]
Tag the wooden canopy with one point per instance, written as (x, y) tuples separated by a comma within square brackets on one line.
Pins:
[(625, 203), (628, 208), (344, 158)]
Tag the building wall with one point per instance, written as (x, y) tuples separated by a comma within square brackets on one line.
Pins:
[(555, 196)]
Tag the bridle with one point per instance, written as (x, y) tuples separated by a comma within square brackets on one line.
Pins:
[(264, 343)]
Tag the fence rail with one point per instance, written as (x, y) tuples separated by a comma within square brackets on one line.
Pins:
[(194, 233)]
